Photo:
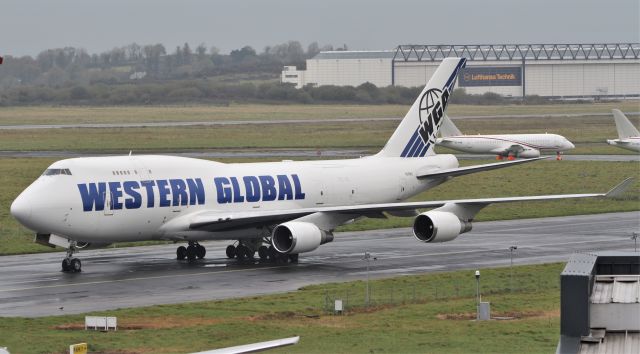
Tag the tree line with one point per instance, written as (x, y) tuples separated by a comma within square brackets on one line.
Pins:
[(148, 74), (74, 66)]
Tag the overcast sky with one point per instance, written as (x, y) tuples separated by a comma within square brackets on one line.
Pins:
[(30, 26)]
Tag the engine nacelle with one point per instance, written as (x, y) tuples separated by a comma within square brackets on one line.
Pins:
[(529, 153), (298, 237), (438, 226)]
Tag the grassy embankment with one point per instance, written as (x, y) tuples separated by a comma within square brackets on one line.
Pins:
[(412, 314), (186, 113), (589, 133), (544, 177)]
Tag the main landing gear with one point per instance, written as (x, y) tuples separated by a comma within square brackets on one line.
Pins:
[(245, 250), (191, 252), (71, 264)]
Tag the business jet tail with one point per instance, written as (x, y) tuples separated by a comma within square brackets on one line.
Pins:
[(448, 128), (416, 134), (623, 125)]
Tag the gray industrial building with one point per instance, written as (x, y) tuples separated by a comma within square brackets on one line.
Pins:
[(600, 304), (563, 71)]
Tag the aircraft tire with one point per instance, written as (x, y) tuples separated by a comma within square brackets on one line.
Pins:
[(231, 251), (181, 253), (249, 253), (191, 252), (200, 251), (76, 265), (263, 252), (293, 258), (66, 265), (240, 252), (272, 254), (281, 258)]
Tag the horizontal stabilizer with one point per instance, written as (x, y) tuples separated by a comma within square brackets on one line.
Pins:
[(460, 171)]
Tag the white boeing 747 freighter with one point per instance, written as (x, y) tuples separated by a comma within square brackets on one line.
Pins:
[(503, 145), (628, 135), (278, 209)]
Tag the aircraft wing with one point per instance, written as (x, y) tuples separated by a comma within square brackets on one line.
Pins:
[(222, 221), (460, 171)]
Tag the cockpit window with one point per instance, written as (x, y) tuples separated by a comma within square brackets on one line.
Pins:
[(56, 171)]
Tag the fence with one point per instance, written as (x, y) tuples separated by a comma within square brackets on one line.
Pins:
[(356, 297)]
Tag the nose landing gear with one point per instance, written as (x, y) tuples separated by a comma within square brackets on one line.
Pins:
[(71, 264)]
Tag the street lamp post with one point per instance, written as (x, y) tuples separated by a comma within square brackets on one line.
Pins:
[(511, 249), (478, 295)]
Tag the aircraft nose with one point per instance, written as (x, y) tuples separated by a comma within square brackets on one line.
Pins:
[(570, 145), (21, 209)]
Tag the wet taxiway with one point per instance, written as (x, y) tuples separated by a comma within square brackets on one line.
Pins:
[(32, 285)]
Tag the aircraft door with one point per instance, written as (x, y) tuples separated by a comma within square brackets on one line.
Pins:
[(108, 207)]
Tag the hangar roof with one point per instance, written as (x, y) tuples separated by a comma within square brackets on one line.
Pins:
[(484, 52)]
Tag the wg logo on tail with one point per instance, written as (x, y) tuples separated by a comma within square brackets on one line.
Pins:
[(431, 111)]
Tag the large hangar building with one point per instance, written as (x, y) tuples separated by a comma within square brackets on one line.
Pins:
[(563, 71)]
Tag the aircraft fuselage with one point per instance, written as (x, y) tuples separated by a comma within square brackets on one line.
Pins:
[(132, 198)]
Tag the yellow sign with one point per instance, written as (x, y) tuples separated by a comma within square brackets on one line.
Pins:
[(80, 348)]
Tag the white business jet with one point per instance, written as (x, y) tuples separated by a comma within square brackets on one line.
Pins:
[(279, 209), (504, 145), (628, 135)]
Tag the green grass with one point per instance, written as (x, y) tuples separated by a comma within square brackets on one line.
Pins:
[(128, 114), (543, 177), (410, 314), (589, 133), (198, 138)]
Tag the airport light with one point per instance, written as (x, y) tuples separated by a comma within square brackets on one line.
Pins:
[(511, 249), (634, 237), (478, 295)]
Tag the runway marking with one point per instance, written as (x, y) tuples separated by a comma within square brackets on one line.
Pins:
[(139, 278)]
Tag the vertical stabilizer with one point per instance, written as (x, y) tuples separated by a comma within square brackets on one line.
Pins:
[(624, 126), (448, 128), (416, 134)]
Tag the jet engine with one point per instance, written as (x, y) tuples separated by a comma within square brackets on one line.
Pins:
[(439, 226), (298, 237), (529, 153)]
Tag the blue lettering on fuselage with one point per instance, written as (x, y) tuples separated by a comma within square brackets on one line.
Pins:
[(97, 196), (127, 194), (252, 189)]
